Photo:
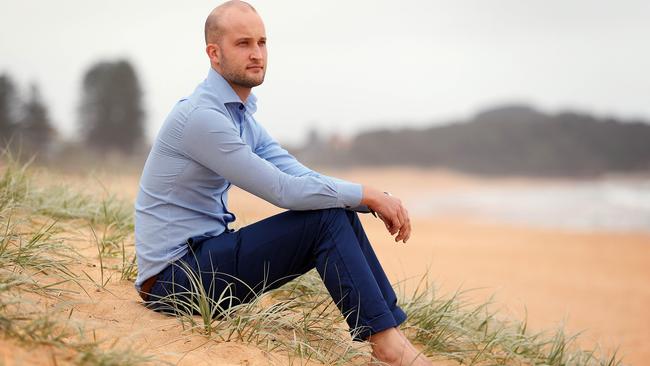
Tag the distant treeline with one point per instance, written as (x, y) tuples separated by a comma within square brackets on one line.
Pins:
[(512, 139), (507, 140), (110, 117)]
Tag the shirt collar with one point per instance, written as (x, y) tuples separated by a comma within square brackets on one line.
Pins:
[(226, 94)]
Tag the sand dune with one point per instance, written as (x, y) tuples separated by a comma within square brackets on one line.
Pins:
[(597, 282)]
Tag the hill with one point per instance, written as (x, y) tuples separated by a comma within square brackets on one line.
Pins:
[(515, 139)]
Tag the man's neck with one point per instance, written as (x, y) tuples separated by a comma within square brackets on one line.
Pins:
[(241, 91)]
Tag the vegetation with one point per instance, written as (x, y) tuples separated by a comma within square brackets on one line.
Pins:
[(8, 111), (111, 117), (111, 111), (516, 140), (24, 124), (298, 321), (35, 267)]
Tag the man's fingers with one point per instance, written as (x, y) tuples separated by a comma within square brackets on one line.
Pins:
[(394, 223), (408, 225), (402, 218), (399, 236), (386, 222), (405, 230), (397, 224)]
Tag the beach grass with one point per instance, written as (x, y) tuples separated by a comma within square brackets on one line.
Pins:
[(297, 323), (35, 268), (299, 319)]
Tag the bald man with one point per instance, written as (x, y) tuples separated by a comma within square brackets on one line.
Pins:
[(209, 142)]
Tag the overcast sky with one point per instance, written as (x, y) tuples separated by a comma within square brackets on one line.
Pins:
[(345, 66)]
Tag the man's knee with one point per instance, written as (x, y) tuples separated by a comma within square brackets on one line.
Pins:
[(332, 214), (353, 216)]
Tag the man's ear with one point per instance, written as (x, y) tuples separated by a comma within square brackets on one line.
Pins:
[(212, 49)]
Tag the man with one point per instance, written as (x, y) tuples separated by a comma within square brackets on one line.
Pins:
[(210, 141)]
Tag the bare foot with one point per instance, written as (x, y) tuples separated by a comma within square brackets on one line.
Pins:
[(408, 342), (391, 348)]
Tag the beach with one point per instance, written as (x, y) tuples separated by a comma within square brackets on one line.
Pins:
[(594, 282)]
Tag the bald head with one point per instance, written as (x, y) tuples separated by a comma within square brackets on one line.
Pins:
[(214, 24)]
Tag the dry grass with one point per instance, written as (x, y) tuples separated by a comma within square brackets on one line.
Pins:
[(297, 320)]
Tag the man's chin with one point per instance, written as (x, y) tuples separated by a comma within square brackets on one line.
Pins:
[(253, 82), (257, 77)]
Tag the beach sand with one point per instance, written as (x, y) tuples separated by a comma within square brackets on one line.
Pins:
[(596, 282)]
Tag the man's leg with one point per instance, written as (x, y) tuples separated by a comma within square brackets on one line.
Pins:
[(271, 252), (380, 276), (334, 242)]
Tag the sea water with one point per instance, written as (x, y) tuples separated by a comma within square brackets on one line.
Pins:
[(616, 204)]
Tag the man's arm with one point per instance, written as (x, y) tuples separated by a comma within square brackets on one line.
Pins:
[(269, 149), (390, 209), (211, 139)]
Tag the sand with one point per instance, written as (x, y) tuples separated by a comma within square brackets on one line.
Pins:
[(591, 281), (594, 282)]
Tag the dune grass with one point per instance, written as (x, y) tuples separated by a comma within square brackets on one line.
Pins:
[(298, 320), (35, 266), (453, 328), (301, 320)]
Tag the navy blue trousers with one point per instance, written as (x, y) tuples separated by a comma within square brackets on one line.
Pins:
[(271, 252)]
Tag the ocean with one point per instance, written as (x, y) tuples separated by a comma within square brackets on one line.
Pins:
[(612, 204)]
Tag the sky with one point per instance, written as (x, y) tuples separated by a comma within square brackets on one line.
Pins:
[(349, 66)]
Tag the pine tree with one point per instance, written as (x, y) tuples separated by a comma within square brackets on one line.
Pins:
[(34, 128), (111, 112), (8, 108)]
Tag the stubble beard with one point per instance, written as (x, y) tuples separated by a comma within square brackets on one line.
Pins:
[(239, 77)]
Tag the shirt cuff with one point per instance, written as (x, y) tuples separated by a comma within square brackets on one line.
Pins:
[(361, 209), (349, 194)]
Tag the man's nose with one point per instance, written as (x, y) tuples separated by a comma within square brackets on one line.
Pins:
[(256, 53)]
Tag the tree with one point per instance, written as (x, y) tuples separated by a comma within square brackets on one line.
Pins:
[(8, 108), (111, 112), (34, 128)]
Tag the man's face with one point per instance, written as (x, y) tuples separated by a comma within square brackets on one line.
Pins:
[(242, 49)]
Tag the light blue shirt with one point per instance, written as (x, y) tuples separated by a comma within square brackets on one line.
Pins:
[(209, 141)]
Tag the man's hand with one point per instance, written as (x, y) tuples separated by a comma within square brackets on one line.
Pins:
[(390, 211)]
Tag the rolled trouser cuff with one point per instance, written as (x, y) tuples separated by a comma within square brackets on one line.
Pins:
[(378, 324), (399, 315)]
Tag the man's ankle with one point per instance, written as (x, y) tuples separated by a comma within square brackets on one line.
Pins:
[(387, 345)]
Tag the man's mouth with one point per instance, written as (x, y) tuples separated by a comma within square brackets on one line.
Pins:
[(255, 67)]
